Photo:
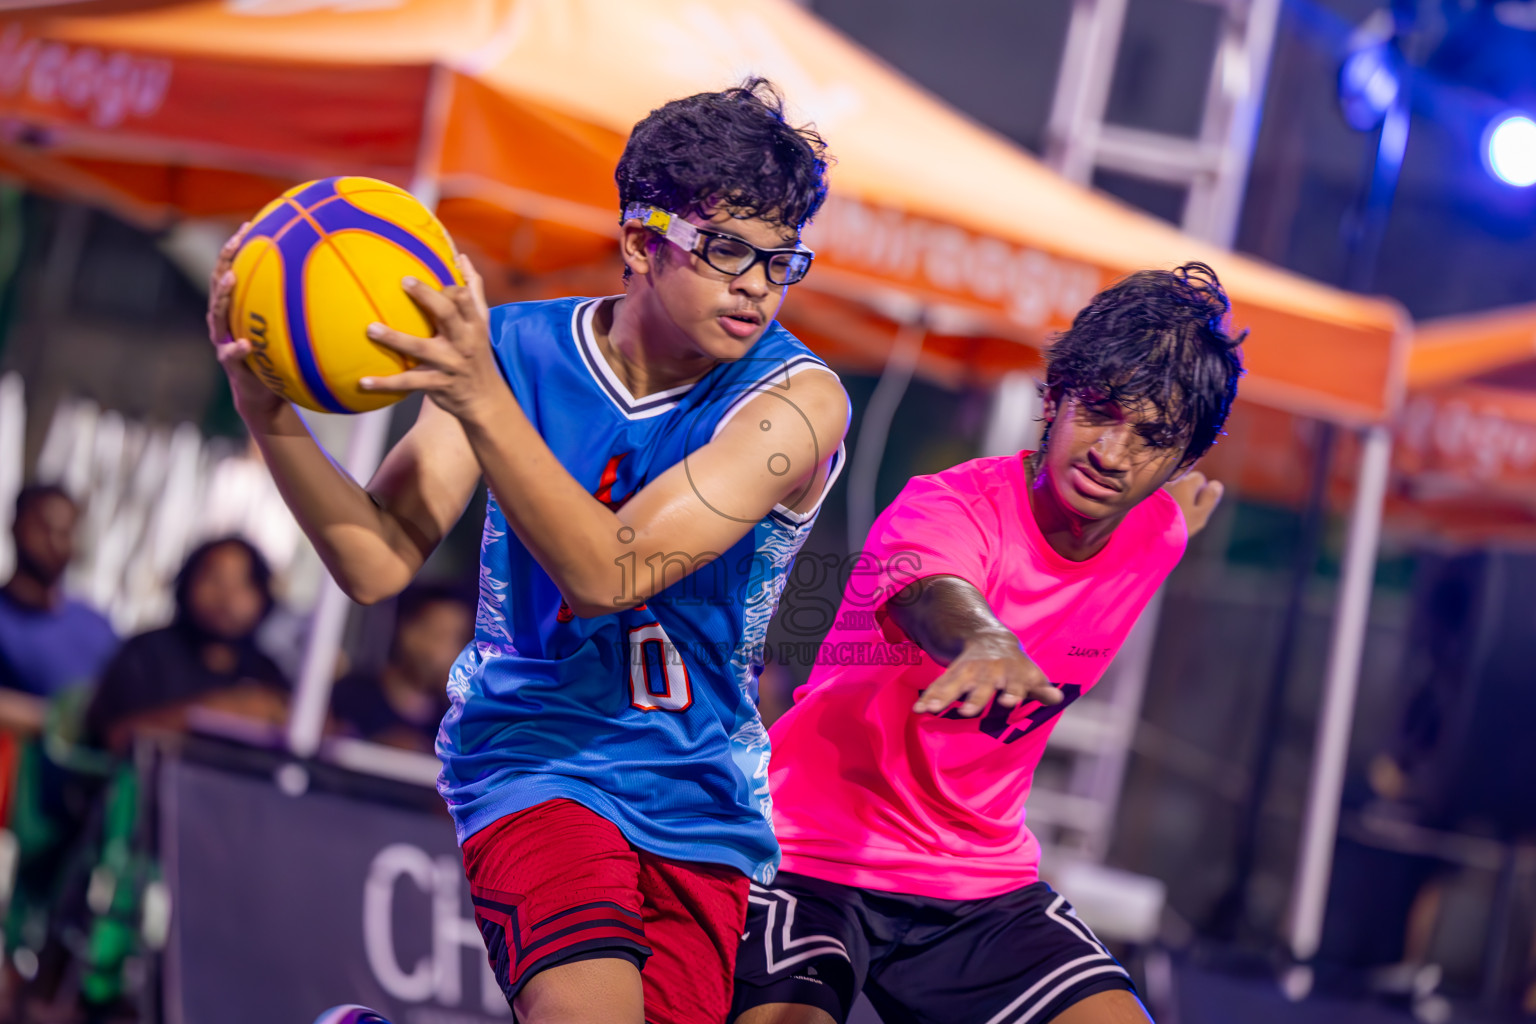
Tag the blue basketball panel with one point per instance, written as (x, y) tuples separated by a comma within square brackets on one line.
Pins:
[(314, 192), (295, 246), (273, 223)]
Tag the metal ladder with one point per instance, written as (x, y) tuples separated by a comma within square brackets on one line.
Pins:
[(1214, 165)]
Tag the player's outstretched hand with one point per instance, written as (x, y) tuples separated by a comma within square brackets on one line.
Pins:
[(988, 666), (1198, 497), (252, 397), (455, 367)]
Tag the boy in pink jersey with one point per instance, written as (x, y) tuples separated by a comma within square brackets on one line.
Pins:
[(1000, 591)]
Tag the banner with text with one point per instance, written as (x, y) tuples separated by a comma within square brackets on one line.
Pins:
[(283, 906)]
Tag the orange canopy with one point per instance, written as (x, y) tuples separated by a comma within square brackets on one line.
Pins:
[(515, 111), (1453, 349), (1464, 464), (1466, 451)]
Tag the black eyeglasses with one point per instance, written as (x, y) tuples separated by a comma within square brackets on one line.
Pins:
[(726, 253)]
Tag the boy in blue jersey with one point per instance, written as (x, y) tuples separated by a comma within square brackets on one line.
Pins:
[(655, 459)]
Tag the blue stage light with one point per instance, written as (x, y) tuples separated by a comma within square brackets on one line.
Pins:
[(1510, 148), (1368, 85)]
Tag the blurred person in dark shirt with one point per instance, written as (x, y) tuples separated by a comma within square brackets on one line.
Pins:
[(402, 703), (206, 657), (49, 643)]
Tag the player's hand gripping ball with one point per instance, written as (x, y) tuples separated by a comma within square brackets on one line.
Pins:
[(319, 264)]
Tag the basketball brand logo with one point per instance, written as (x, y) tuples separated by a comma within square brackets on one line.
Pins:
[(260, 357)]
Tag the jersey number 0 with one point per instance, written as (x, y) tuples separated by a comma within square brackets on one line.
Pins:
[(658, 679)]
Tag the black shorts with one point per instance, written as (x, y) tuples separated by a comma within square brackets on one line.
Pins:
[(1018, 958)]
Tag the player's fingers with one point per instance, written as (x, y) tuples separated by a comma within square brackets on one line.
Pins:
[(420, 349), (464, 302), (1046, 692), (223, 292), (229, 250), (419, 379), (433, 302), (978, 698), (223, 287), (233, 352), (476, 284), (942, 692), (1210, 496), (232, 356), (1014, 688)]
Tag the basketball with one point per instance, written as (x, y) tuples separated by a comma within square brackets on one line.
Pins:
[(350, 1013), (320, 263)]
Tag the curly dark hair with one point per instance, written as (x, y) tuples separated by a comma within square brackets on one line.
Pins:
[(1161, 337), (733, 148)]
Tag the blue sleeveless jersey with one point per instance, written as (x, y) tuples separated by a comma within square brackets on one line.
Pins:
[(647, 716)]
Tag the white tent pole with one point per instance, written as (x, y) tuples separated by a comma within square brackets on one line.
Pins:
[(875, 427), (317, 671), (1314, 865)]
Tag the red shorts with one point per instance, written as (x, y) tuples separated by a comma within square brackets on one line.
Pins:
[(558, 883)]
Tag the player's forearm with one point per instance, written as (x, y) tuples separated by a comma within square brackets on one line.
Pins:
[(945, 614), (603, 560), (355, 538), (571, 534)]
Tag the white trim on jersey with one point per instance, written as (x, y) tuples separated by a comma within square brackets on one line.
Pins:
[(839, 460), (778, 379), (820, 945), (597, 365), (1028, 1004)]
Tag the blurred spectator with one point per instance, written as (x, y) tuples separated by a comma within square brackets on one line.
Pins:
[(402, 703), (207, 656), (48, 642)]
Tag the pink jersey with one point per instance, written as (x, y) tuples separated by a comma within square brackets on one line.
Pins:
[(868, 793)]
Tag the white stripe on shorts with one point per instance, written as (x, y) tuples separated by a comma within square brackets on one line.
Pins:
[(1069, 920), (1045, 1000), (1094, 964), (774, 900)]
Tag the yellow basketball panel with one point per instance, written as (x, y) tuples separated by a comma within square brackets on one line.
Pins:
[(349, 184), (375, 196), (257, 314), (347, 276)]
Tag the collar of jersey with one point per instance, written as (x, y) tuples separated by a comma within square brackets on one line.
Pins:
[(597, 364)]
